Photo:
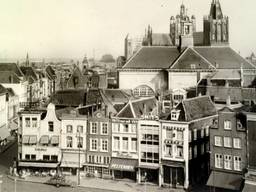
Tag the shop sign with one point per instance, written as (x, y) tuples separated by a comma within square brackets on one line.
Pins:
[(123, 155), (122, 167), (40, 149)]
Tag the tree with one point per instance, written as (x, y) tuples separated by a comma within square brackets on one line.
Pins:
[(107, 58)]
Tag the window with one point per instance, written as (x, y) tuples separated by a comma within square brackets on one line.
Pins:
[(207, 131), (179, 151), (34, 122), (80, 129), (218, 161), (218, 141), (69, 141), (202, 133), (195, 151), (237, 163), (126, 128), (104, 128), (54, 158), (50, 126), (27, 157), (169, 134), (33, 157), (195, 134), (116, 143), (46, 157), (134, 144), (27, 122), (93, 128), (190, 153), (202, 149), (79, 142), (69, 129), (237, 143), (94, 144), (193, 66), (227, 125), (227, 142), (174, 115), (227, 162), (125, 143), (116, 127), (133, 128), (104, 145), (180, 135)]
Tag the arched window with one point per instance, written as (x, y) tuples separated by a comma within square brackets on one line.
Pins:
[(143, 91)]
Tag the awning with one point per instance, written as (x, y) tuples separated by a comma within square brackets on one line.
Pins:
[(4, 132), (25, 139), (55, 140), (36, 164), (173, 163), (44, 139), (153, 167), (225, 180), (72, 160), (32, 139), (123, 164), (249, 188)]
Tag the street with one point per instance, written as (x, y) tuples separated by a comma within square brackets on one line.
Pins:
[(8, 185)]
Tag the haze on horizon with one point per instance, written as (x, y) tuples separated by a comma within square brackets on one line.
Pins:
[(73, 28)]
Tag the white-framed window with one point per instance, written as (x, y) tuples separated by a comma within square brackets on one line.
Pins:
[(218, 161), (237, 143), (134, 144), (193, 66), (104, 145), (218, 141), (104, 128), (27, 122), (227, 125), (228, 162), (237, 163), (227, 142), (179, 152), (94, 144), (207, 131), (34, 122), (69, 141), (116, 127), (94, 127), (133, 128), (169, 134), (80, 129), (190, 136), (116, 145), (125, 144), (69, 128), (180, 135)]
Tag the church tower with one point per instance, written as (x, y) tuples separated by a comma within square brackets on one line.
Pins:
[(182, 28), (216, 26)]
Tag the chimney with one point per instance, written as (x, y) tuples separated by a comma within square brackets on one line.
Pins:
[(228, 101)]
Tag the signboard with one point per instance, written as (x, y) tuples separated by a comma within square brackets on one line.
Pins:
[(40, 149)]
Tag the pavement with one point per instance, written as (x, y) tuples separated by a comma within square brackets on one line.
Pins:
[(103, 184)]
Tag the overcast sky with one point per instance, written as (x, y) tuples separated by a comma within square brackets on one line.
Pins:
[(72, 28)]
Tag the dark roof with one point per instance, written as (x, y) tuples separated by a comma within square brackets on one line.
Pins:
[(2, 89), (153, 58), (11, 67), (29, 72), (161, 39), (51, 73), (126, 113), (198, 107), (198, 38), (116, 95), (10, 92), (9, 77), (69, 97), (225, 57)]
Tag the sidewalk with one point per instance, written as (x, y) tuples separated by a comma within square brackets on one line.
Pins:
[(107, 184)]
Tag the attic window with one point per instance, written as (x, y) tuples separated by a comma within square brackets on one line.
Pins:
[(175, 115), (193, 66)]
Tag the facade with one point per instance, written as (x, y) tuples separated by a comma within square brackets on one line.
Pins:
[(3, 116), (228, 145), (39, 140), (73, 141)]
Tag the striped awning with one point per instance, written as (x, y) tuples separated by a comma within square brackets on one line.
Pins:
[(55, 140), (32, 139), (37, 164), (25, 139), (44, 139)]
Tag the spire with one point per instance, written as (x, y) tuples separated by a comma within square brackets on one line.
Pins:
[(27, 61), (216, 12)]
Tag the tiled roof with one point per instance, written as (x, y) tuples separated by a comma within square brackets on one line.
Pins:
[(69, 97), (153, 58), (227, 74), (116, 95), (161, 39), (223, 57), (198, 107), (9, 77), (198, 38), (29, 71), (11, 67), (126, 113)]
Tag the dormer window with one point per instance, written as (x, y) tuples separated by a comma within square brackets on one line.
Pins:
[(175, 115), (193, 66)]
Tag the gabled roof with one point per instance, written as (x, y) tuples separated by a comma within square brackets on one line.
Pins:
[(153, 58), (190, 56), (224, 58), (198, 107), (116, 95), (50, 72), (11, 67), (29, 72), (137, 108), (9, 77), (161, 39)]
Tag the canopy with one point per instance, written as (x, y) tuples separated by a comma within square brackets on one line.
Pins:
[(123, 164)]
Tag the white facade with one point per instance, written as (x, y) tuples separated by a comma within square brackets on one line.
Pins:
[(19, 89), (4, 133)]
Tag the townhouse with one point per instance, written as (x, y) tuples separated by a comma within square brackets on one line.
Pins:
[(3, 116)]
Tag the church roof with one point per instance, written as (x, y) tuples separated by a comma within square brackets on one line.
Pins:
[(153, 58), (223, 57), (161, 39)]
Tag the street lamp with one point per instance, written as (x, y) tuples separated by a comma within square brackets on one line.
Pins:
[(78, 145)]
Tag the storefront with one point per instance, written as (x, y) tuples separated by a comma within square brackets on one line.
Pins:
[(71, 161), (124, 168), (149, 173), (173, 173)]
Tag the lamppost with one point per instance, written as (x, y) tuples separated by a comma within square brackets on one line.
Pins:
[(78, 145), (1, 181)]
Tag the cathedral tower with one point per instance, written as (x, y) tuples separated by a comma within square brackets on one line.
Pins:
[(216, 26)]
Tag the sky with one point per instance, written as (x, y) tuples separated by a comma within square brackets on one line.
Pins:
[(73, 28)]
